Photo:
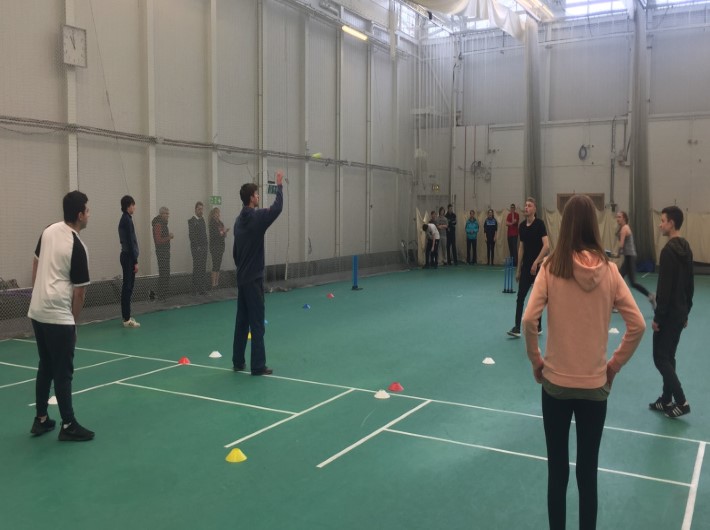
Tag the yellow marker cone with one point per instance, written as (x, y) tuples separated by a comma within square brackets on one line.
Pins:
[(235, 456)]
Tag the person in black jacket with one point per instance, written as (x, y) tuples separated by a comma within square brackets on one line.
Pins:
[(674, 299), (129, 258), (197, 230), (161, 238), (451, 254), (248, 253), (217, 236), (490, 228)]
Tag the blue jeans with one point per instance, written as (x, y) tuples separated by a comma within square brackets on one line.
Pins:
[(250, 316), (55, 345)]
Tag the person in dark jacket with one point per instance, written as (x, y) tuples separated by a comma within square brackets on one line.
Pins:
[(217, 235), (248, 253), (674, 299), (490, 228), (129, 258), (197, 230), (161, 238), (451, 255)]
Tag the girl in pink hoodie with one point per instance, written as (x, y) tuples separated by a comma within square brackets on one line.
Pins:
[(580, 287)]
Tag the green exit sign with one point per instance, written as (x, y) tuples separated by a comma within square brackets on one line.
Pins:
[(272, 189), (216, 200)]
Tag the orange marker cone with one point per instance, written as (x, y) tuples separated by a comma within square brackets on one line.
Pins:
[(184, 360), (395, 387)]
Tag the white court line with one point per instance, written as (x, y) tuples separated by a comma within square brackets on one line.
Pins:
[(654, 435), (76, 370), (332, 385), (454, 442), (19, 382), (690, 505), (371, 435), (206, 398), (286, 419), (120, 380), (535, 457), (407, 396), (19, 366), (102, 362), (111, 353)]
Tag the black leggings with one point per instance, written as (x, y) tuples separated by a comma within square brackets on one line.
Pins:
[(490, 250), (665, 344), (589, 420), (628, 268)]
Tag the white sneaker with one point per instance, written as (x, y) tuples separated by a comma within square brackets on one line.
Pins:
[(652, 299), (131, 323)]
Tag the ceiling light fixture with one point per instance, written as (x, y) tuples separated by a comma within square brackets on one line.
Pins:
[(354, 33), (536, 8)]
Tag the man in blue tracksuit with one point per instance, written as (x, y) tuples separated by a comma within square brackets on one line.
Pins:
[(248, 252)]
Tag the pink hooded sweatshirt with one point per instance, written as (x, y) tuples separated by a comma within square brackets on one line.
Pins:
[(579, 313)]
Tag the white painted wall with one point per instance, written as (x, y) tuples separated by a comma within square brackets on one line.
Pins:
[(300, 92), (585, 84)]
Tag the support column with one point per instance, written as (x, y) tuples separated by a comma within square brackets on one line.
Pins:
[(338, 139), (305, 73), (368, 149), (72, 139), (149, 30), (213, 99)]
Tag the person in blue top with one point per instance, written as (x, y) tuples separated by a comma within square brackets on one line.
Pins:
[(248, 253), (490, 227), (129, 258), (471, 238)]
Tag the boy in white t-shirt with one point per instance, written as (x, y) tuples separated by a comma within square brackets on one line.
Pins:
[(60, 274)]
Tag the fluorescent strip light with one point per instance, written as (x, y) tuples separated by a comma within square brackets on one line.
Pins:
[(534, 7), (354, 33)]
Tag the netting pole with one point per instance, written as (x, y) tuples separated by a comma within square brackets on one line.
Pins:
[(355, 287)]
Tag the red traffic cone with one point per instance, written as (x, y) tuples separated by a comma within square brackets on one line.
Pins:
[(395, 387), (184, 360)]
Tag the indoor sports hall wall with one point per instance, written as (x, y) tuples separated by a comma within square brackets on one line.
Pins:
[(184, 100), (261, 77), (585, 91)]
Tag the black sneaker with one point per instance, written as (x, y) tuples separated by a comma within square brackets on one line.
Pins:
[(73, 432), (660, 406), (41, 427), (514, 332), (676, 410)]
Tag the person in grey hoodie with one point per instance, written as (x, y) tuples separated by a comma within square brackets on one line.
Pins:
[(674, 299)]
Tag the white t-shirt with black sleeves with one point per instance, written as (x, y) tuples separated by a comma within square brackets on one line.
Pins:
[(62, 264)]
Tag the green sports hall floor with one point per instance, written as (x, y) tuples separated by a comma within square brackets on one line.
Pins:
[(462, 447)]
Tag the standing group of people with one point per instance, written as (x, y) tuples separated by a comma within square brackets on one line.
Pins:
[(60, 275), (200, 244), (441, 238), (441, 233), (580, 287), (576, 284)]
